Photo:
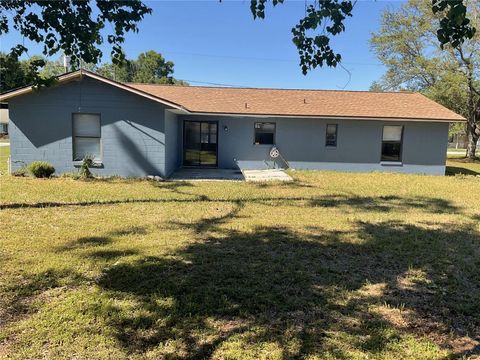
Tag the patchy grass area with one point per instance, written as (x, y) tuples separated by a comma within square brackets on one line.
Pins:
[(331, 266)]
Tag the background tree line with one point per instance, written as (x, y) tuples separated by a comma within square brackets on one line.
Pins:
[(150, 67)]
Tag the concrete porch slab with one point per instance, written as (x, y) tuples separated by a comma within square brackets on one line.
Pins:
[(206, 174), (266, 175), (188, 174)]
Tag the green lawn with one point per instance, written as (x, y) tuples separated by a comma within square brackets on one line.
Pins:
[(458, 164), (4, 154), (331, 266)]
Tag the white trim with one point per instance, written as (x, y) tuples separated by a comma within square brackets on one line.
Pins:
[(320, 117), (95, 164), (391, 163), (28, 89)]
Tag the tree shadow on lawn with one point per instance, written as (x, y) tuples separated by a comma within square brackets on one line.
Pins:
[(297, 290), (457, 170), (303, 292), (365, 203), (462, 166), (91, 244), (17, 298)]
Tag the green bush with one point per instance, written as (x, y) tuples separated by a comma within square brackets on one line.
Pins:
[(41, 169)]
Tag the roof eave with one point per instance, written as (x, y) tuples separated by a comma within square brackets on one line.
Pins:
[(316, 116)]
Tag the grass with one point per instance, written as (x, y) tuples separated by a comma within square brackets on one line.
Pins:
[(459, 164), (4, 154), (330, 266)]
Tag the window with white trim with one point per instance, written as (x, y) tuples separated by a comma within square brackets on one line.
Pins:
[(392, 143), (86, 137)]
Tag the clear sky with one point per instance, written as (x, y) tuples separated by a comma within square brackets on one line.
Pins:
[(220, 43)]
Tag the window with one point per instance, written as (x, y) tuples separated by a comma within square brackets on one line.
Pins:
[(86, 136), (264, 133), (331, 135), (392, 143)]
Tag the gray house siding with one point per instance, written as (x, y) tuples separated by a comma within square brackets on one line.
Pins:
[(302, 144), (132, 128), (172, 131)]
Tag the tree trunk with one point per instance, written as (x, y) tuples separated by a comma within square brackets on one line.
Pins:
[(473, 136), (473, 118)]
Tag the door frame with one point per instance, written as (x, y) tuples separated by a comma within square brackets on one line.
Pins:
[(183, 144)]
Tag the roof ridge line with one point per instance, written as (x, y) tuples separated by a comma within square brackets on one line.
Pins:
[(274, 89)]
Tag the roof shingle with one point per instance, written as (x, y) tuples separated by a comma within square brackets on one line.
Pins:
[(328, 103), (279, 102)]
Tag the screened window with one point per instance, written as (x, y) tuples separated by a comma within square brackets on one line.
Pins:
[(392, 143), (331, 136), (264, 133), (86, 136)]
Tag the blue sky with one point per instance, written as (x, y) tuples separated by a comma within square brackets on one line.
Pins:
[(221, 43)]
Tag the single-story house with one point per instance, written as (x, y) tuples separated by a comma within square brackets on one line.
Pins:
[(142, 129)]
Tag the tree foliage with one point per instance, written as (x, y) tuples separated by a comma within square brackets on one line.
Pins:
[(407, 44), (455, 27), (79, 27), (314, 48), (150, 67), (15, 73), (73, 27), (326, 19)]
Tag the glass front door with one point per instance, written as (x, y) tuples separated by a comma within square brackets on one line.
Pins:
[(200, 143)]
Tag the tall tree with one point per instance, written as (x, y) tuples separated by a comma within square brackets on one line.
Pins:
[(150, 68), (12, 73), (15, 73), (118, 72), (407, 44)]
